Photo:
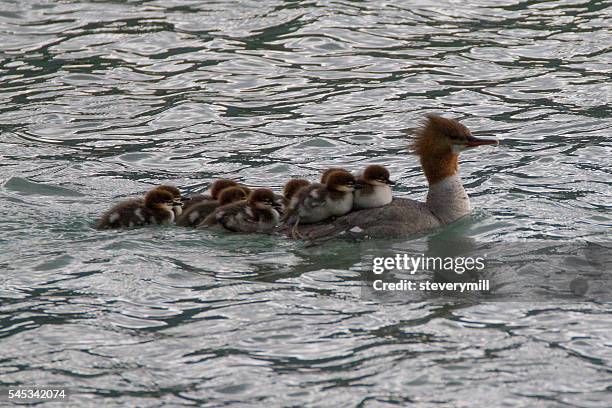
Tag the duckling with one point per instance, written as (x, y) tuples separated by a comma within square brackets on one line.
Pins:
[(318, 202), (213, 192), (256, 214), (195, 214), (178, 199), (376, 190), (156, 208), (329, 171), (292, 187), (290, 190)]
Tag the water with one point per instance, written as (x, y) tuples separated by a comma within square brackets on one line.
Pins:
[(101, 100)]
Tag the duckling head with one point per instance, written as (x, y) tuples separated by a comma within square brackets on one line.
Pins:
[(159, 199), (293, 186), (171, 189), (341, 180), (329, 171), (231, 195), (219, 185), (377, 175), (262, 198), (176, 193)]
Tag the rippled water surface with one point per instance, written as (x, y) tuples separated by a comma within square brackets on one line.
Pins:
[(100, 100)]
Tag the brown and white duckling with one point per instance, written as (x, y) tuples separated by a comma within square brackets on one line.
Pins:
[(256, 214), (213, 192), (290, 191), (293, 186), (156, 208), (178, 198), (375, 188), (318, 202), (195, 214)]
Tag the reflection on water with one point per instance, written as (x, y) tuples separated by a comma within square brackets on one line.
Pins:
[(99, 100)]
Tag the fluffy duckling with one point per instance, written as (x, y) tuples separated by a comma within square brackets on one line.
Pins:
[(376, 190), (318, 202), (156, 208), (213, 192), (256, 214), (293, 186), (195, 214), (290, 191), (178, 199)]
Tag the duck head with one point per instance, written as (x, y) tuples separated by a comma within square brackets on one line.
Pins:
[(219, 185), (438, 143), (262, 198), (341, 180), (329, 171), (159, 199), (176, 193), (231, 195), (293, 186), (377, 175)]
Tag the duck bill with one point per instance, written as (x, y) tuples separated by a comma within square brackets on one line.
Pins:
[(477, 141), (391, 183)]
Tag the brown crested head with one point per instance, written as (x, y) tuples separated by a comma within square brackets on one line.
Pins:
[(176, 193), (329, 171), (341, 180), (376, 173), (231, 195), (440, 135), (262, 197), (220, 185), (156, 197), (438, 143), (293, 186)]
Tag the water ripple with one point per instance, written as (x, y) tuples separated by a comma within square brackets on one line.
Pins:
[(100, 100)]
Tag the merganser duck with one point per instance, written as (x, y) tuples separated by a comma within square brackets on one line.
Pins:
[(438, 144), (375, 190), (318, 202), (156, 208), (213, 192), (195, 214), (256, 214)]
